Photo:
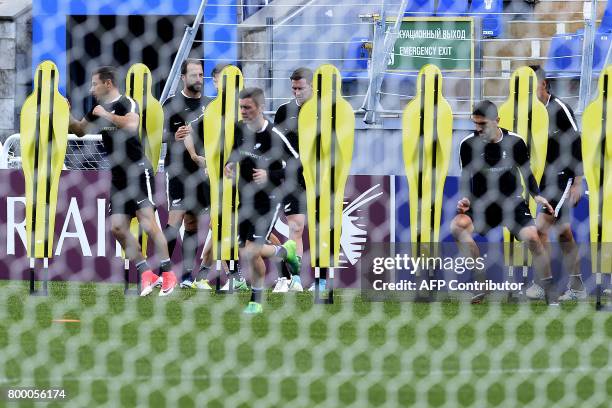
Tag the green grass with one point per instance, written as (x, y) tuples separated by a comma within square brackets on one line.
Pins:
[(198, 349)]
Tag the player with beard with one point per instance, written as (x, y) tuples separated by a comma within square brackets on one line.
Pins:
[(561, 184), (192, 140), (188, 191)]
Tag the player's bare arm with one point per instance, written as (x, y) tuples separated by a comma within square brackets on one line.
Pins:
[(260, 176), (129, 122), (575, 190), (544, 202), (184, 133), (77, 127), (228, 170)]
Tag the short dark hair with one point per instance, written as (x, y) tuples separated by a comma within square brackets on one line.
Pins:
[(302, 73), (541, 75), (487, 109), (188, 61), (218, 68), (107, 73), (256, 94)]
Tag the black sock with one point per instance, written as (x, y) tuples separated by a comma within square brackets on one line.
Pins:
[(165, 265), (189, 249), (142, 266), (171, 233), (549, 289), (187, 273), (236, 273), (256, 294), (203, 272), (283, 270)]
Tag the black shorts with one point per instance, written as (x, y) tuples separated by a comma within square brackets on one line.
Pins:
[(256, 224), (512, 215), (557, 195), (133, 193), (190, 194), (295, 202)]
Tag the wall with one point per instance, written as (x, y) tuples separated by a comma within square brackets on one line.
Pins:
[(15, 43)]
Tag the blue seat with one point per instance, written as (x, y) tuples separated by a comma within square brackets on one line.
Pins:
[(601, 46), (606, 19), (451, 8), (251, 7), (400, 83), (397, 88), (565, 54), (420, 8), (491, 13), (356, 56)]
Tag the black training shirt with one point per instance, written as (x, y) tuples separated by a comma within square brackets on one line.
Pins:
[(262, 149), (493, 171), (286, 120), (122, 147), (179, 111), (564, 152)]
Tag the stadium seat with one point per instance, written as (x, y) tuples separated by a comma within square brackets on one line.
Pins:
[(606, 19), (491, 13), (397, 89), (601, 46), (451, 8), (356, 56), (251, 7), (565, 54), (416, 8)]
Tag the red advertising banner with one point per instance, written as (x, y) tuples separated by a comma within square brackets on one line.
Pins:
[(86, 251)]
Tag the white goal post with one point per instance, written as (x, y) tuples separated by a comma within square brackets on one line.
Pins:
[(83, 153)]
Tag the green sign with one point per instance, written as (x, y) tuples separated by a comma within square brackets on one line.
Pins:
[(445, 42)]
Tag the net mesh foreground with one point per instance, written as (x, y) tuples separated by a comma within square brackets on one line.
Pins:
[(200, 350)]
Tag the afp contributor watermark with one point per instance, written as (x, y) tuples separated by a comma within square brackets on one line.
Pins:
[(441, 284), (459, 265), (399, 271)]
